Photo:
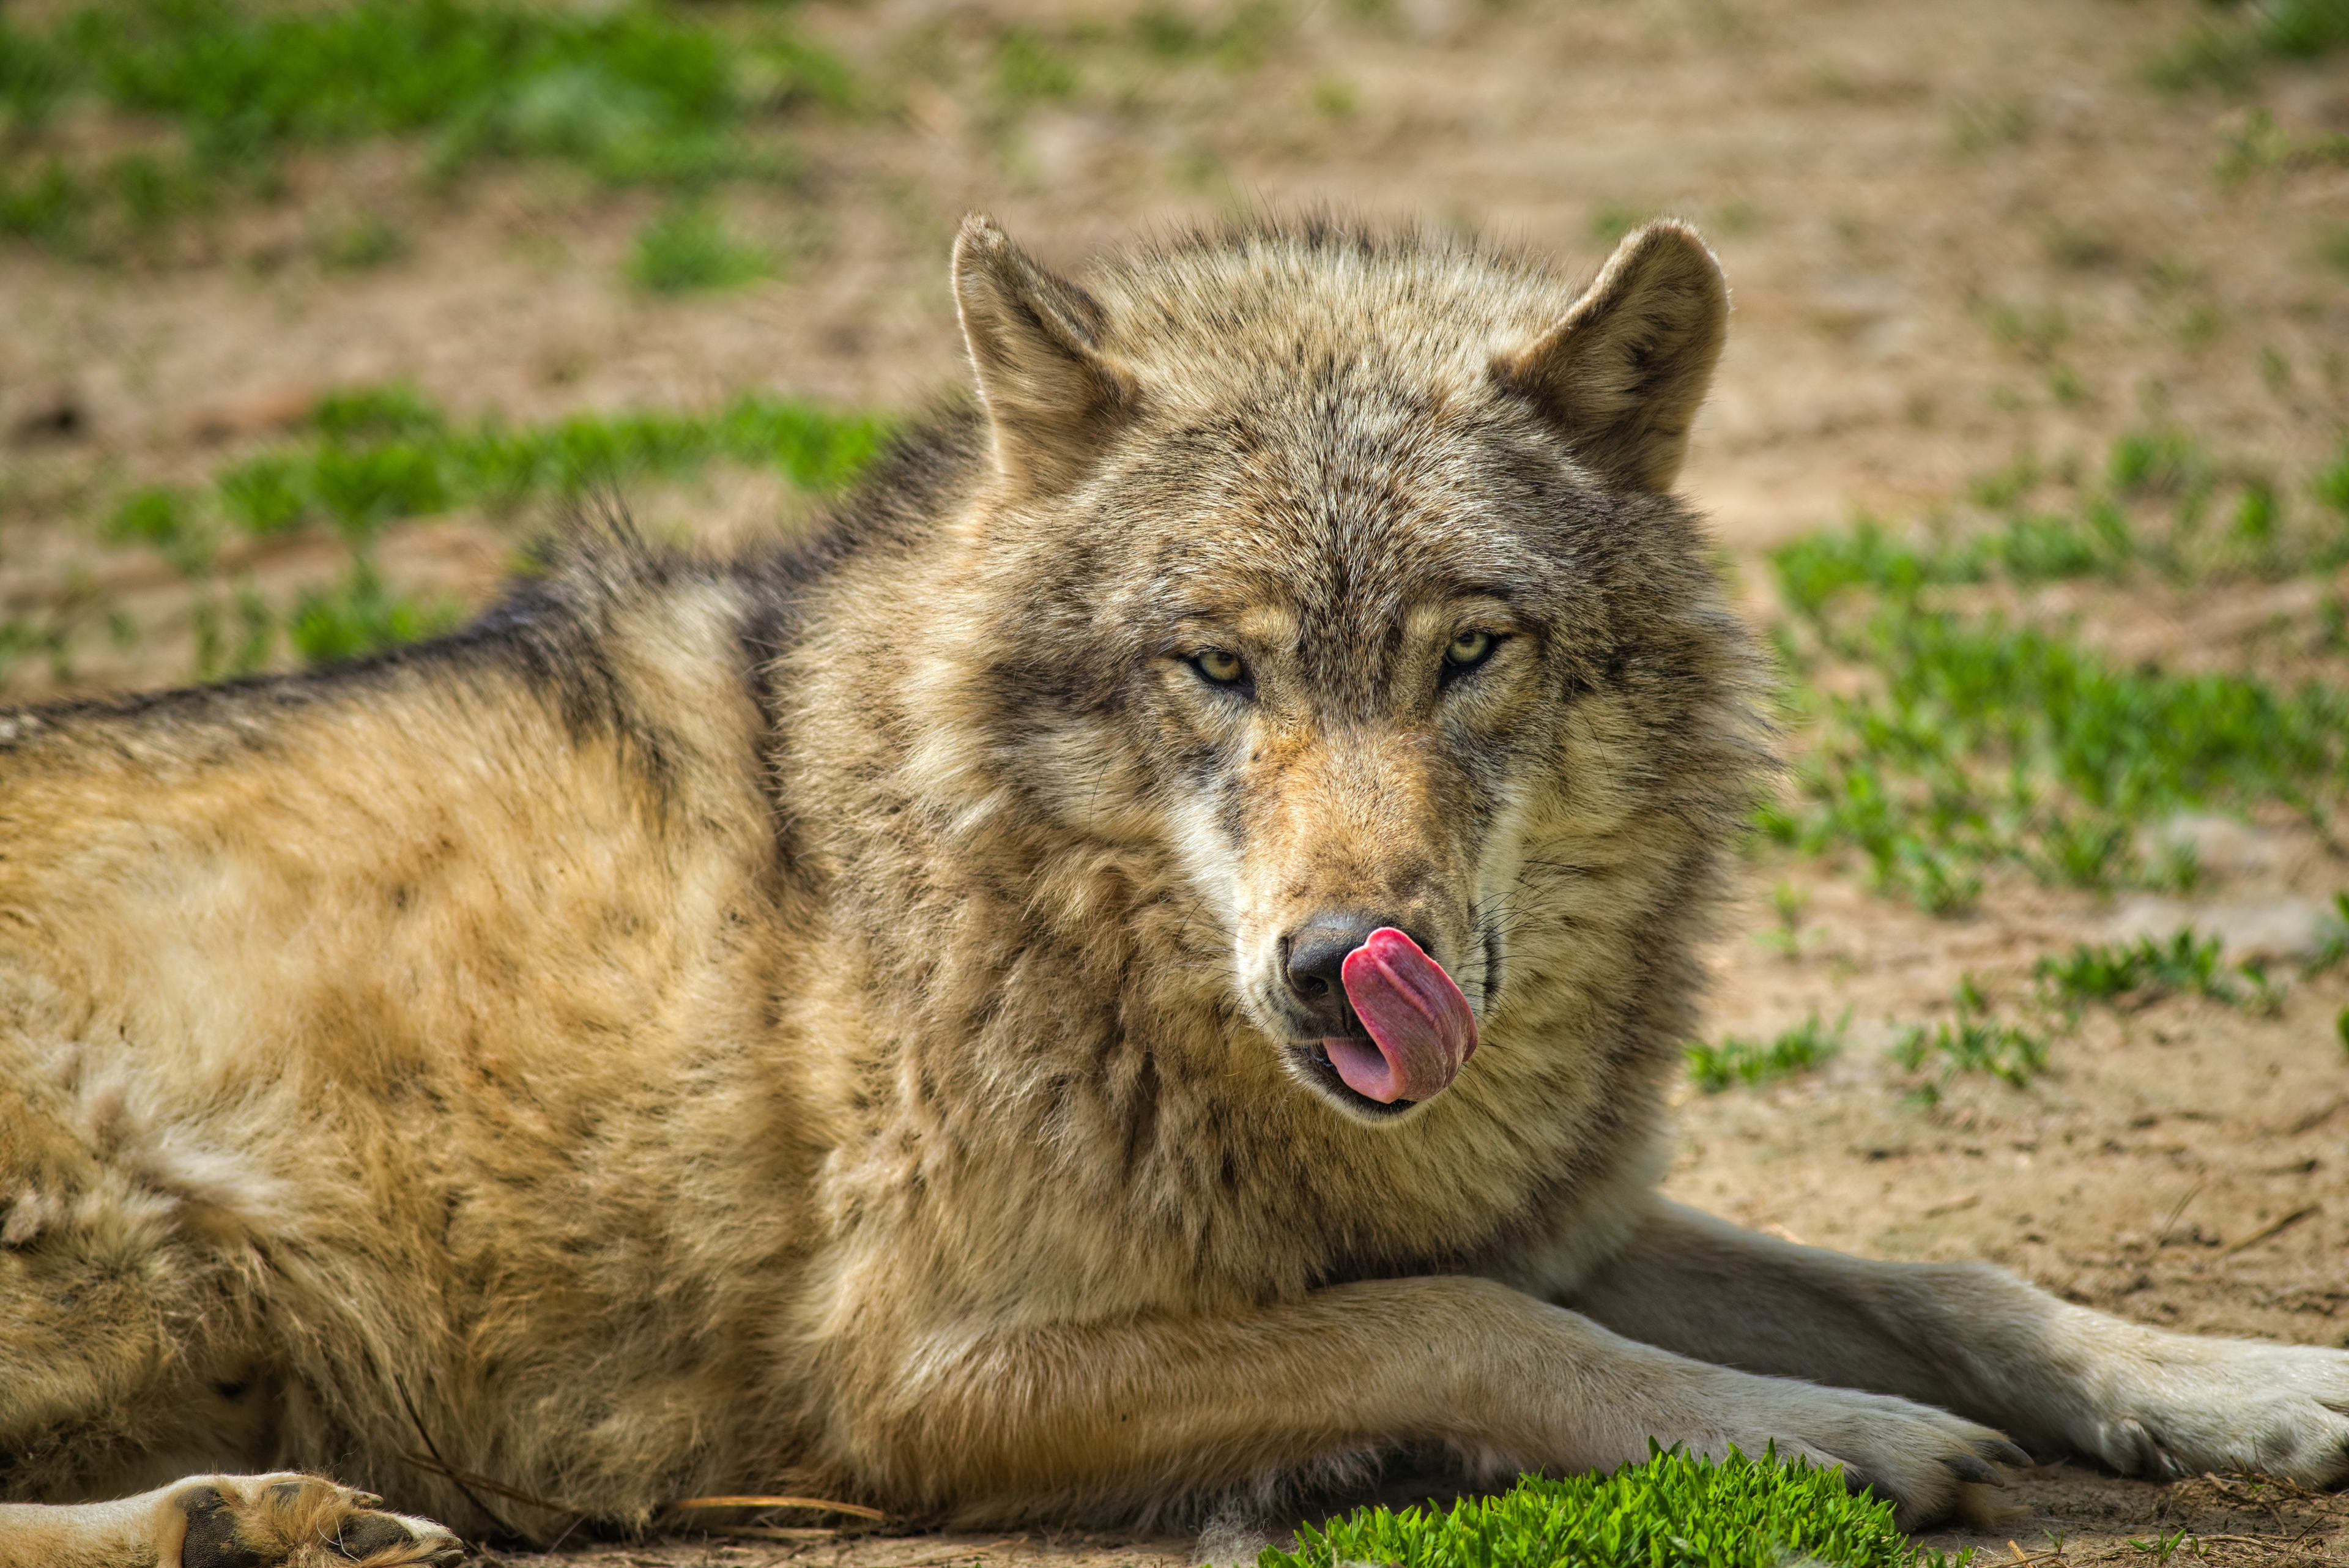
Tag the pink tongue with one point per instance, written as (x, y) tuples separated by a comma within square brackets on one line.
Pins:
[(1420, 1026)]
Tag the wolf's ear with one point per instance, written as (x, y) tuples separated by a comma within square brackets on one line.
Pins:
[(1621, 378), (1052, 397)]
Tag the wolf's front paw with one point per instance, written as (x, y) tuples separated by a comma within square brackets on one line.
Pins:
[(300, 1522), (1918, 1459), (2178, 1407)]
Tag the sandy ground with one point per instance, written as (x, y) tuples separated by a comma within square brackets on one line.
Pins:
[(1956, 234), (2058, 1517)]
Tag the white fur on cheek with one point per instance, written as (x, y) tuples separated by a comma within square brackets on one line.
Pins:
[(1213, 866), (1206, 857)]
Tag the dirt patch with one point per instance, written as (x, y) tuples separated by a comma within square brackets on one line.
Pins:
[(2059, 1516), (822, 1550)]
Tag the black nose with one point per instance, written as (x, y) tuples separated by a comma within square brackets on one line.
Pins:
[(1317, 959)]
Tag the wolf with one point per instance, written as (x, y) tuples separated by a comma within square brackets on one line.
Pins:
[(1132, 973)]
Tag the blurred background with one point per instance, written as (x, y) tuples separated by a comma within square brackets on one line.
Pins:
[(2029, 459), (272, 275)]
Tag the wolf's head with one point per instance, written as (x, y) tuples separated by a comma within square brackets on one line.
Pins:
[(1339, 572)]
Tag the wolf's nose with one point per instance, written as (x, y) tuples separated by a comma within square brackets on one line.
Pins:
[(1317, 961)]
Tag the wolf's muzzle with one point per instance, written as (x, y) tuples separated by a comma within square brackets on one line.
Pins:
[(1393, 1027), (1314, 961)]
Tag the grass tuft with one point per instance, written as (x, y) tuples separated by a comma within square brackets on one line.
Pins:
[(1988, 743), (689, 249), (1030, 69), (2229, 54), (634, 93), (620, 89), (2138, 973), (164, 517), (379, 455), (221, 652), (1236, 40), (360, 616), (1672, 1511), (2333, 942), (1751, 1061), (1968, 741), (362, 244), (1971, 1042), (384, 453)]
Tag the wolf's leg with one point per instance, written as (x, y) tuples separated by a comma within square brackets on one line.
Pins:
[(124, 1327), (1113, 1418), (1978, 1341), (224, 1521)]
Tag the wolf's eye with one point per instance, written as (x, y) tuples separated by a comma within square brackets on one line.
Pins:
[(1220, 668), (1468, 650)]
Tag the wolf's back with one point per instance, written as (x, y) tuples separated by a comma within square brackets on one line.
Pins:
[(387, 1006)]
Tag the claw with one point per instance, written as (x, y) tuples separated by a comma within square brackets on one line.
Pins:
[(2008, 1454), (1973, 1467)]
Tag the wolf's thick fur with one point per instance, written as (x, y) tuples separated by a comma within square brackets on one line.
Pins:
[(832, 1023)]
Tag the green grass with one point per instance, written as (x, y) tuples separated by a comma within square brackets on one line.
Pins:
[(1338, 100), (2331, 486), (1673, 1512), (2333, 937), (687, 249), (1031, 69), (356, 614), (2026, 547), (382, 454), (2261, 145), (237, 641), (2137, 973), (1610, 221), (1977, 127), (1987, 743), (2033, 332), (102, 209), (1153, 57), (2228, 53), (52, 631), (1980, 740), (632, 93), (157, 515), (43, 202), (2156, 471), (1749, 1062), (362, 244), (360, 616), (1237, 39), (376, 456), (2332, 247), (1971, 1042), (2160, 462), (1787, 903), (47, 636)]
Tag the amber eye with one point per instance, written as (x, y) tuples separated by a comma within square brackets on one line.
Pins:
[(1468, 650), (1219, 666)]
